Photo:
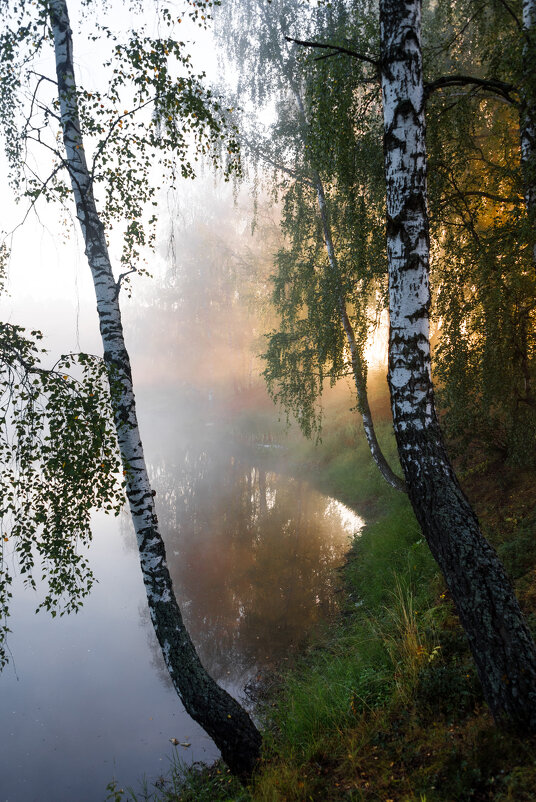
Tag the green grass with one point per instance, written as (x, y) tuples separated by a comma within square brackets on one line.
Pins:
[(341, 465), (386, 704), (184, 783)]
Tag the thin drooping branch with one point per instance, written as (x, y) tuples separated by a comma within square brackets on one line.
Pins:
[(500, 88), (335, 49), (359, 371), (445, 47), (218, 713), (512, 13), (359, 368)]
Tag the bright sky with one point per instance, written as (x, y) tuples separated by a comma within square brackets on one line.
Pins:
[(49, 283)]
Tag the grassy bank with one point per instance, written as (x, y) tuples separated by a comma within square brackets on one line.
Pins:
[(386, 705)]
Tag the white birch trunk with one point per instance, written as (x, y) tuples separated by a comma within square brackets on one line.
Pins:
[(226, 721), (501, 644)]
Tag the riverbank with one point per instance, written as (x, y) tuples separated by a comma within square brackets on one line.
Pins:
[(385, 705)]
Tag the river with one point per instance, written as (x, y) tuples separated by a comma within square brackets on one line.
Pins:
[(86, 698)]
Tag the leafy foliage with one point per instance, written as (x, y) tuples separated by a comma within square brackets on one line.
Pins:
[(304, 146), (59, 462), (483, 272), (153, 118)]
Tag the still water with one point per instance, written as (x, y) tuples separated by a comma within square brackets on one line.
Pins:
[(87, 698)]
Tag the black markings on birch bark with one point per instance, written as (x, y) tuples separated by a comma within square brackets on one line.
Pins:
[(213, 708), (501, 644)]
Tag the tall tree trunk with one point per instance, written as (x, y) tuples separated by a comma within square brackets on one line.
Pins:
[(213, 708), (359, 367), (527, 116), (501, 644)]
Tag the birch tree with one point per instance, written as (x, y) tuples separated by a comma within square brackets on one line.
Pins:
[(123, 145), (301, 354), (480, 88), (501, 644)]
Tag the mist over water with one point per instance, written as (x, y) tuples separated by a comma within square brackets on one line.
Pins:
[(252, 554), (87, 698), (252, 551)]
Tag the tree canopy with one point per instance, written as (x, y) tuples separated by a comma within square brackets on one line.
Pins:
[(478, 96)]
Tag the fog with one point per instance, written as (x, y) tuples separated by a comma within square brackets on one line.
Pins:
[(252, 552)]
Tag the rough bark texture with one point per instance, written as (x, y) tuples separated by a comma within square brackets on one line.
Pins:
[(213, 708), (501, 644), (527, 115), (359, 369)]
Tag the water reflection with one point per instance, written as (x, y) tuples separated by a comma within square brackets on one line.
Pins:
[(87, 697), (252, 555)]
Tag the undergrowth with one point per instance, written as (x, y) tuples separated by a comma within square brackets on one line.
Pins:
[(386, 704)]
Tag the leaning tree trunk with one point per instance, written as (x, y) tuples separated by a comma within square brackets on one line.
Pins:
[(359, 367), (527, 116), (213, 708), (501, 644)]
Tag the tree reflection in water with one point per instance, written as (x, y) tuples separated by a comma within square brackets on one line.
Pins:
[(252, 556)]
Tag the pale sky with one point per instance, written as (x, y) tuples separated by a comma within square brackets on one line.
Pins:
[(49, 284)]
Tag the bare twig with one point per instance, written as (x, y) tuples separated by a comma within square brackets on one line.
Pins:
[(512, 13), (120, 279), (516, 199), (446, 45), (336, 49), (277, 165), (102, 144), (42, 77), (491, 85)]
